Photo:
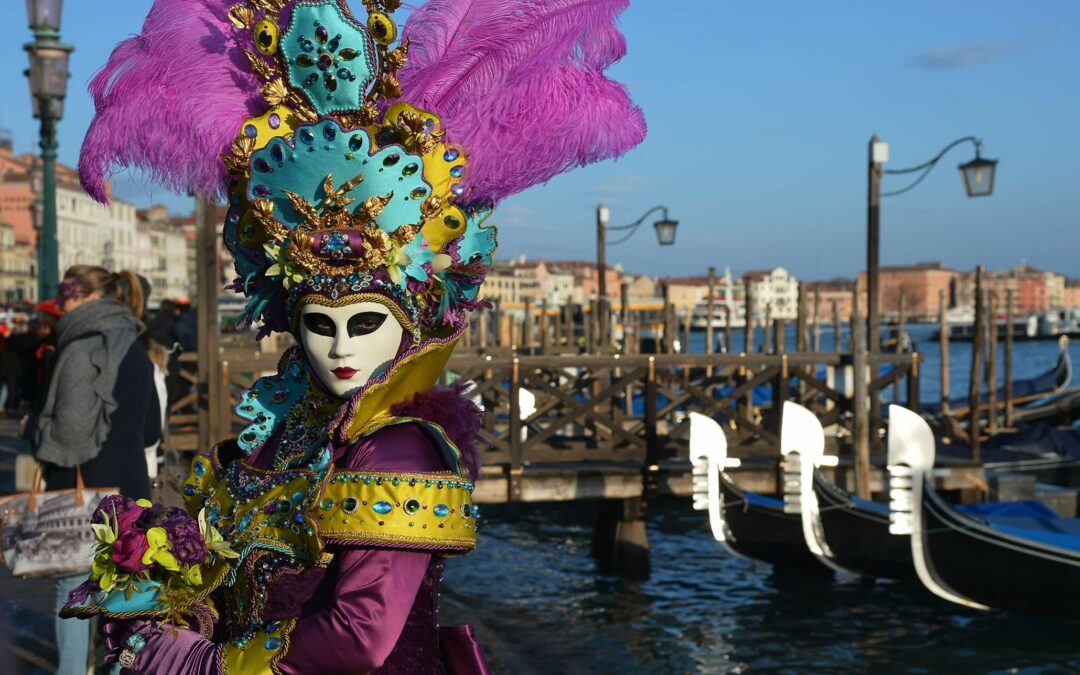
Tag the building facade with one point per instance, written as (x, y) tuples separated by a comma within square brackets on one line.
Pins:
[(18, 268), (920, 285), (774, 292)]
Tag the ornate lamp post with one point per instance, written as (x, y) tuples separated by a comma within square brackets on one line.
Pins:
[(978, 176), (665, 236), (48, 75)]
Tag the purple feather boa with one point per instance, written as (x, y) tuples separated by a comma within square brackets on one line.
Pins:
[(458, 416)]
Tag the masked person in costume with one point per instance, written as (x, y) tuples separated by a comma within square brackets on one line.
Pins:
[(359, 170)]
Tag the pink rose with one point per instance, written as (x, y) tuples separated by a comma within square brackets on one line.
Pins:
[(128, 551)]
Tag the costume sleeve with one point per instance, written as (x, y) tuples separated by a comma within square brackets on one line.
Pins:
[(359, 629), (66, 431), (169, 651)]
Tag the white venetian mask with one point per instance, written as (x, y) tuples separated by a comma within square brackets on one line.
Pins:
[(347, 345)]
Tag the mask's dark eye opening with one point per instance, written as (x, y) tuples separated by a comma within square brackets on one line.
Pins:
[(365, 323), (320, 324)]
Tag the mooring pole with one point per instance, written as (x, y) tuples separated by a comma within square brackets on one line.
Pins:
[(976, 356)]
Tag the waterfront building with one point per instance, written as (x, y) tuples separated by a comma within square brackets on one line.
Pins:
[(166, 267), (1034, 290), (834, 292), (1072, 294), (775, 292), (18, 265), (920, 285)]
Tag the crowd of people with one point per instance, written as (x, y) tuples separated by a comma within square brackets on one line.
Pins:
[(90, 376)]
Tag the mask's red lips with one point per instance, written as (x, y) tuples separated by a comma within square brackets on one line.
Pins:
[(343, 373)]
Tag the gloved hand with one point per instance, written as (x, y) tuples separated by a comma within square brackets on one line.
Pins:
[(159, 648)]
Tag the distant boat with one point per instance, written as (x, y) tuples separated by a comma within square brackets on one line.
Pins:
[(1018, 556)]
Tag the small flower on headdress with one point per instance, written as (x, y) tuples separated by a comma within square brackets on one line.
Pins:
[(283, 266), (409, 262)]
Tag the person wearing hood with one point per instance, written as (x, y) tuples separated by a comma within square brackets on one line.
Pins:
[(101, 409)]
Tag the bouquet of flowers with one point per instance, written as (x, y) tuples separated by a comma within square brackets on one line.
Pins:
[(150, 561)]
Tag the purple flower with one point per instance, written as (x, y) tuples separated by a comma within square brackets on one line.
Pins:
[(128, 550), (112, 505), (188, 545), (160, 515), (82, 592)]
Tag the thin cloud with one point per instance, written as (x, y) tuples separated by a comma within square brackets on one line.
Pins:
[(965, 56), (619, 185)]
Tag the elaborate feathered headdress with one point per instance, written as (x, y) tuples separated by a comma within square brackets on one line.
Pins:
[(354, 162)]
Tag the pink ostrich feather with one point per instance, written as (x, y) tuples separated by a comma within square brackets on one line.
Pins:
[(170, 100), (520, 85)]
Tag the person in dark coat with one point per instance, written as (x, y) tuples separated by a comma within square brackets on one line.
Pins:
[(100, 413)]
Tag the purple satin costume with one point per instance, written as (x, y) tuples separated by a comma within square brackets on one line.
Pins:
[(371, 611)]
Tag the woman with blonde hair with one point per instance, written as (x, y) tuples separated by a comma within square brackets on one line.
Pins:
[(101, 409)]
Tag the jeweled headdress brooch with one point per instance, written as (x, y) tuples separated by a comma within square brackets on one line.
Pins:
[(353, 161)]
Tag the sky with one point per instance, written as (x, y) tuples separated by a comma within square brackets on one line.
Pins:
[(759, 117)]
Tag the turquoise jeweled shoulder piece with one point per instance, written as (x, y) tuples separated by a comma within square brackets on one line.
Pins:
[(268, 401), (328, 56), (324, 148)]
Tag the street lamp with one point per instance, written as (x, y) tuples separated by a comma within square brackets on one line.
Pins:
[(665, 236), (978, 176), (48, 75)]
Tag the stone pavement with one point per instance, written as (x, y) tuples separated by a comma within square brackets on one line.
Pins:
[(26, 606)]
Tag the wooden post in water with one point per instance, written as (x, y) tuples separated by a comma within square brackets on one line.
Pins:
[(976, 356), (748, 326), (544, 327), (767, 347), (527, 324), (838, 327), (943, 341), (817, 319), (1008, 358), (900, 321), (669, 321), (710, 312), (568, 322), (780, 336), (991, 363), (801, 336), (727, 328), (860, 403), (624, 316)]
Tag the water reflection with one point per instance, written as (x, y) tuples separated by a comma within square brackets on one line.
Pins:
[(534, 583)]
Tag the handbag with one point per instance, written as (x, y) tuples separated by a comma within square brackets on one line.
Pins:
[(48, 534)]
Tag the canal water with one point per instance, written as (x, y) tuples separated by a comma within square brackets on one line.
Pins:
[(546, 606), (533, 585)]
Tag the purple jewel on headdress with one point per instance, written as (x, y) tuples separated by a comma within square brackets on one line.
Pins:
[(274, 120), (250, 131), (451, 154), (458, 189), (261, 190)]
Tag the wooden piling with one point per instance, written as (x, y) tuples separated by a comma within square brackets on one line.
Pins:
[(624, 315), (860, 403), (568, 328), (780, 336), (767, 347), (728, 332), (709, 314), (544, 327), (817, 319), (991, 363), (527, 324), (838, 326), (943, 340), (1008, 358), (976, 355), (206, 319), (748, 326), (801, 336), (900, 321)]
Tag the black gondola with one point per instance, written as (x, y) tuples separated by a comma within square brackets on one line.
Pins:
[(748, 524), (1031, 391), (1029, 563), (857, 534)]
